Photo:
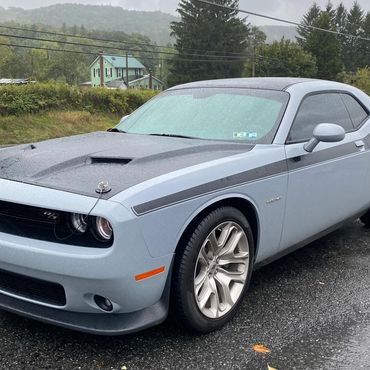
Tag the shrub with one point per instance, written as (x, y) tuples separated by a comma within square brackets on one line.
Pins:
[(33, 98), (360, 79)]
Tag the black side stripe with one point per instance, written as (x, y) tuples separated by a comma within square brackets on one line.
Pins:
[(259, 173), (310, 159)]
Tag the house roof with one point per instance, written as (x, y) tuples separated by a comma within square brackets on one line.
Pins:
[(117, 84), (146, 77), (15, 81), (120, 61)]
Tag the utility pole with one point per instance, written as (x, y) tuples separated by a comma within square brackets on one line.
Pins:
[(101, 68), (150, 80), (127, 82), (254, 61), (161, 69)]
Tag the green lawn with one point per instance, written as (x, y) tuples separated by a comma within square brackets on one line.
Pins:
[(47, 125)]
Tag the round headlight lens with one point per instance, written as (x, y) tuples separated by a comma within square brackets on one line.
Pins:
[(104, 228), (79, 222)]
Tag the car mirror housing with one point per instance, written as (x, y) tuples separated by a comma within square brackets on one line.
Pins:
[(327, 133)]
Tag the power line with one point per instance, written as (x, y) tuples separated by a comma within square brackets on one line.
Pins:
[(47, 49), (115, 48), (113, 41), (284, 20), (95, 54)]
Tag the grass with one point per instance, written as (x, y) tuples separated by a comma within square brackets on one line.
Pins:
[(47, 125)]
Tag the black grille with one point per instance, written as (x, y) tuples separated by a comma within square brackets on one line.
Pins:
[(31, 288)]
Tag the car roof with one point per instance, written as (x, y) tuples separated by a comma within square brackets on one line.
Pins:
[(267, 83)]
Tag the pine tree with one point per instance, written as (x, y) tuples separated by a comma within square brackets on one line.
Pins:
[(351, 56), (308, 19), (366, 44), (341, 15), (325, 47), (207, 27), (331, 12)]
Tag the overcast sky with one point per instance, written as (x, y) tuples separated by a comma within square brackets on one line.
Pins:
[(288, 9)]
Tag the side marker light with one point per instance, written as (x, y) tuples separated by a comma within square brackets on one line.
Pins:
[(149, 274)]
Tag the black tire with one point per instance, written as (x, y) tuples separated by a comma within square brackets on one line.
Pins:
[(365, 219), (184, 304)]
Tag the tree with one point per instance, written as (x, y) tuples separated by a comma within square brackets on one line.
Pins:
[(207, 27), (340, 21), (352, 58), (256, 39), (325, 47), (6, 56), (308, 19), (360, 79), (366, 44), (332, 13), (285, 58)]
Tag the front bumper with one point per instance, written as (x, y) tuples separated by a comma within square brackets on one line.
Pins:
[(84, 272), (92, 323)]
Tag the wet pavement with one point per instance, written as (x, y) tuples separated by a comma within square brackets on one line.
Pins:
[(311, 309)]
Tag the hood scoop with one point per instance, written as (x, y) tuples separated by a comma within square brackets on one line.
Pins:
[(109, 160)]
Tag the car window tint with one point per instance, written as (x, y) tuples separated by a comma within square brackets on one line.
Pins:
[(320, 108), (356, 111)]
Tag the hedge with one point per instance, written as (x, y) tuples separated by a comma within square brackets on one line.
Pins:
[(34, 98)]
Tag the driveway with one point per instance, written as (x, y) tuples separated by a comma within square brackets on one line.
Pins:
[(311, 309)]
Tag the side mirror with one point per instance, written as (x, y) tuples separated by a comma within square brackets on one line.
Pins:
[(327, 133)]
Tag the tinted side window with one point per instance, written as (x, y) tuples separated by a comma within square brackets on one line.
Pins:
[(320, 108), (356, 111)]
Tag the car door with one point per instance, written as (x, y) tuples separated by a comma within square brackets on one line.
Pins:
[(326, 186)]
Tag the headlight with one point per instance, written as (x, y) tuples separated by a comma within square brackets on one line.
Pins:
[(103, 229), (79, 222)]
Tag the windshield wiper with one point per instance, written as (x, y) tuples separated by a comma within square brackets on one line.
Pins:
[(174, 135), (115, 129)]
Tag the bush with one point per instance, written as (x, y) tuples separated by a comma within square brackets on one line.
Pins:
[(34, 98), (360, 79)]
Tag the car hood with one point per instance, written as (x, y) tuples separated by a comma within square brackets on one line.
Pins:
[(78, 163)]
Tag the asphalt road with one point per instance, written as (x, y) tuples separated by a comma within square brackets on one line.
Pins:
[(311, 309)]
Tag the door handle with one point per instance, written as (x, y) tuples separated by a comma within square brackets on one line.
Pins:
[(360, 145)]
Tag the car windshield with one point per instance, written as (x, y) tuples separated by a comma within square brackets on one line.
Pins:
[(249, 115)]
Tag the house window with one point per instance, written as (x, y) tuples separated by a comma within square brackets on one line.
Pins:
[(111, 72), (98, 72), (94, 72)]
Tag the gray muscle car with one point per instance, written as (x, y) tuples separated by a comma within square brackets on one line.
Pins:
[(180, 202)]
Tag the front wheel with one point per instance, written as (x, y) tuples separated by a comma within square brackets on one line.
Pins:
[(214, 270), (365, 219)]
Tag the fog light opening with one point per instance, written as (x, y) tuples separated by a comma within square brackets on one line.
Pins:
[(103, 303)]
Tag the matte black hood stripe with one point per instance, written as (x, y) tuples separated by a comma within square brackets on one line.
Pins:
[(78, 164)]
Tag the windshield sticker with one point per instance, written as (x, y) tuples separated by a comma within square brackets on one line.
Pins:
[(245, 135), (240, 135), (252, 135)]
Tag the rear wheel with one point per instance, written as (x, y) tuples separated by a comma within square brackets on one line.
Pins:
[(214, 270)]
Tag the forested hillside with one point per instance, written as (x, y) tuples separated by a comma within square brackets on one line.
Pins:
[(108, 18), (47, 65)]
